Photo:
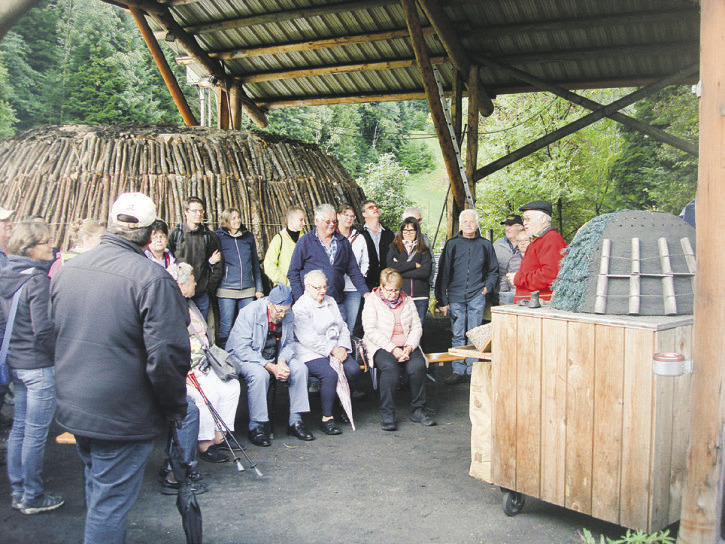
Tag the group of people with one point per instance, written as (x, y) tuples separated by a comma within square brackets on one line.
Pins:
[(119, 337)]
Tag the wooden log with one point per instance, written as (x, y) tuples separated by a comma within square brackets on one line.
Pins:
[(668, 284), (690, 260), (600, 302), (634, 279)]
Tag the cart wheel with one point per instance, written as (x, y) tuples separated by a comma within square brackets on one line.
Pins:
[(513, 502)]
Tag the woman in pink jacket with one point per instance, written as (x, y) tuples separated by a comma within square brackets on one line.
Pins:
[(392, 336)]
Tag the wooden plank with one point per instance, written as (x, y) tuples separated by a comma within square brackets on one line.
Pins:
[(668, 285), (661, 453), (680, 425), (636, 431), (607, 454), (634, 284), (580, 416), (553, 410), (528, 406), (504, 401)]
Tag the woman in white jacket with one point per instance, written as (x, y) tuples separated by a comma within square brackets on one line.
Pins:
[(392, 336)]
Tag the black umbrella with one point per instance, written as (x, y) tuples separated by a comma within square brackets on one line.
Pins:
[(185, 501)]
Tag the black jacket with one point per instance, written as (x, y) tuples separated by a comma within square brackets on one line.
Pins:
[(466, 266), (372, 279), (415, 279), (195, 247), (122, 348), (33, 342)]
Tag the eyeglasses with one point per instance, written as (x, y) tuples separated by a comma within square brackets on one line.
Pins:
[(279, 309), (195, 210), (318, 287), (391, 291), (409, 230), (328, 221), (371, 207)]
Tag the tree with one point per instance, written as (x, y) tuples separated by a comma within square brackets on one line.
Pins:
[(385, 182), (7, 114)]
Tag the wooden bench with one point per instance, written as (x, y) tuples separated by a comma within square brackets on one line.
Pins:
[(453, 354)]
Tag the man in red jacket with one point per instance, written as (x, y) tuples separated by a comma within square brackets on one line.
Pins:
[(540, 265)]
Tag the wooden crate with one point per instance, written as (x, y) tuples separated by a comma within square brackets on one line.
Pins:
[(580, 420)]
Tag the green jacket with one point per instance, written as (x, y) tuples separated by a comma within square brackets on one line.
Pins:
[(278, 256)]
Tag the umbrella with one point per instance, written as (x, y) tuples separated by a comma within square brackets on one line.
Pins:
[(185, 501), (343, 388), (360, 352)]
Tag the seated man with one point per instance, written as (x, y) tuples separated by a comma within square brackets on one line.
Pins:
[(262, 343), (540, 265), (322, 334)]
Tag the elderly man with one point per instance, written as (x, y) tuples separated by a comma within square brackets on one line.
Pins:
[(540, 265), (325, 249), (467, 272), (121, 359), (322, 334), (505, 247), (261, 345)]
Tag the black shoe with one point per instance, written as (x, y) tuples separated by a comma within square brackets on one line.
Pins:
[(454, 378), (258, 437), (343, 417), (300, 431), (213, 455), (389, 426), (231, 447), (44, 503), (330, 427), (419, 416), (172, 488), (194, 475)]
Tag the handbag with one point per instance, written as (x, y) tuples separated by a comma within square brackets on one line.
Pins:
[(218, 360), (4, 372)]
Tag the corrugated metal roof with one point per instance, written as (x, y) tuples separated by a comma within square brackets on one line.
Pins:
[(572, 43)]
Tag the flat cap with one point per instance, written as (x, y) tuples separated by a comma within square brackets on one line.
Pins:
[(541, 205), (513, 219)]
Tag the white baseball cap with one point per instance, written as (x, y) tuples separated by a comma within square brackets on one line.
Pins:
[(134, 210), (5, 214)]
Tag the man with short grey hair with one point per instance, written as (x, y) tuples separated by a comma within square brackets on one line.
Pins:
[(505, 247), (467, 272)]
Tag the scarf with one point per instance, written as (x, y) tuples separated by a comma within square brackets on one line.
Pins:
[(392, 304), (409, 246)]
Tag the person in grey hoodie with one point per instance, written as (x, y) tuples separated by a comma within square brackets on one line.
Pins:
[(30, 363)]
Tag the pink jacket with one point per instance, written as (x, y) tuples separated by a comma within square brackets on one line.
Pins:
[(378, 323)]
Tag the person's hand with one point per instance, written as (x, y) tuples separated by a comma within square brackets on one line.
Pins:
[(215, 257), (339, 353), (417, 265), (283, 370), (510, 276), (485, 290), (444, 309), (259, 294), (366, 294), (400, 354)]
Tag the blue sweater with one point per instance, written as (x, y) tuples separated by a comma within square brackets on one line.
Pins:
[(309, 255), (241, 263)]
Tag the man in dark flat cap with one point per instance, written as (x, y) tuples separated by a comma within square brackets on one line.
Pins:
[(540, 265)]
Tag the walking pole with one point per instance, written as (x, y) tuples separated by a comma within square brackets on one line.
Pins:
[(224, 429)]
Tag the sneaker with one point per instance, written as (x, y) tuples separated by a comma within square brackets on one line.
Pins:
[(213, 455), (454, 378), (16, 499), (172, 488), (44, 503), (314, 387), (419, 416)]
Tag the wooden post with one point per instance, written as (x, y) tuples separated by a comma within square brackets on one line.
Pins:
[(235, 106), (472, 137), (702, 500), (457, 120), (434, 100), (222, 109), (11, 11), (163, 66)]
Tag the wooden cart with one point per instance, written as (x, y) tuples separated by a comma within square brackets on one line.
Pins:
[(577, 417)]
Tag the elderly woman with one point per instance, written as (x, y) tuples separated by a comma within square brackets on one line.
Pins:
[(242, 279), (322, 334), (224, 396), (24, 284), (392, 334), (85, 234), (158, 251)]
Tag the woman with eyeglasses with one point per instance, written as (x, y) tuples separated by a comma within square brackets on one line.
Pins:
[(392, 339), (30, 362), (409, 255), (351, 296)]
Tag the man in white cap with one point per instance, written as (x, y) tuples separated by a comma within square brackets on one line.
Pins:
[(121, 361), (6, 231)]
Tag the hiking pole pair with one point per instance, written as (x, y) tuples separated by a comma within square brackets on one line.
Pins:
[(224, 429)]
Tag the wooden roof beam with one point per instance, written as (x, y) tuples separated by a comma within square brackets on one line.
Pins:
[(434, 101), (645, 128), (292, 47), (11, 11), (287, 15), (330, 100), (582, 122), (452, 44)]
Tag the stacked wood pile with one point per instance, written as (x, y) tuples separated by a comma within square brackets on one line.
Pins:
[(63, 173)]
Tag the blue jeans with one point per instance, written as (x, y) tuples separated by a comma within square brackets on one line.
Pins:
[(227, 308), (464, 317), (113, 474), (34, 407), (202, 302), (350, 307), (187, 435), (422, 307)]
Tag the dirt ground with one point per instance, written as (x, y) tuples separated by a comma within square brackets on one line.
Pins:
[(409, 486)]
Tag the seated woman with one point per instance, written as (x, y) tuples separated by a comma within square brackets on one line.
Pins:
[(322, 334), (224, 396), (392, 334)]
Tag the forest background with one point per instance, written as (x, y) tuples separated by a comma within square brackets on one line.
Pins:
[(84, 61)]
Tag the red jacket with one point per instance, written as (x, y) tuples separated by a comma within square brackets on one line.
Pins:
[(540, 266)]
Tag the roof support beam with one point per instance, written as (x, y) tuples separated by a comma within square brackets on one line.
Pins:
[(434, 100), (452, 43), (582, 122), (11, 11), (334, 69), (626, 120), (289, 15), (163, 66), (295, 102)]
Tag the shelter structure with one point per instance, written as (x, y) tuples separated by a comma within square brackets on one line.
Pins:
[(75, 171)]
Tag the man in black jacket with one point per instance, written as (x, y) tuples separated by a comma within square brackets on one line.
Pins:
[(122, 355), (194, 243), (467, 272), (378, 239)]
